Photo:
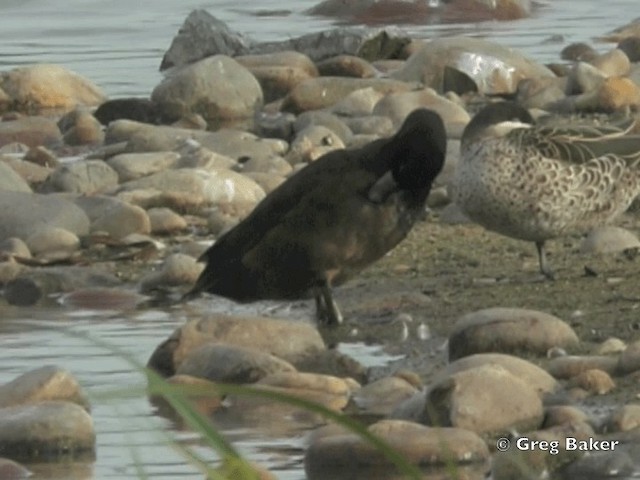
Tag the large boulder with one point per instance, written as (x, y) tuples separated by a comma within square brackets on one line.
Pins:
[(495, 69), (218, 88)]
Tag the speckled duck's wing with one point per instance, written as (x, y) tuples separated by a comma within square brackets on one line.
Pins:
[(578, 144)]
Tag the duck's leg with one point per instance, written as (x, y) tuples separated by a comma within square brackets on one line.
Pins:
[(545, 269), (327, 310)]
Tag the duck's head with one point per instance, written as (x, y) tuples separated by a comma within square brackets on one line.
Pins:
[(415, 155), (496, 120)]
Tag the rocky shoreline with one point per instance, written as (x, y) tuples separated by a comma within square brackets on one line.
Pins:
[(108, 203)]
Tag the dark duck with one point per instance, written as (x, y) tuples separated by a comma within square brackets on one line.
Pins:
[(330, 220)]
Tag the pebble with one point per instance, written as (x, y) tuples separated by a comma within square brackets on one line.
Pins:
[(85, 176), (177, 269), (131, 166), (52, 240), (381, 397), (30, 131), (113, 216), (569, 366), (609, 239), (165, 221)]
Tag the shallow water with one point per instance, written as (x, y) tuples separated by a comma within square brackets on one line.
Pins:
[(119, 45)]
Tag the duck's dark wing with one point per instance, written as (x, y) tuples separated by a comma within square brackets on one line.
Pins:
[(578, 144)]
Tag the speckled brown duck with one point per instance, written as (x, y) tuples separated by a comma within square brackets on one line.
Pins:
[(536, 183), (330, 220)]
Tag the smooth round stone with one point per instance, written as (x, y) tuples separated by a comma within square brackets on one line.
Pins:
[(84, 176), (537, 378), (629, 360), (594, 381), (10, 180), (52, 240), (325, 119), (578, 52), (494, 68), (46, 430), (631, 47), (231, 364), (65, 89), (34, 285), (509, 330), (624, 418), (541, 92), (113, 216), (274, 165), (291, 341), (165, 221), (310, 138), (610, 346), (217, 87), (31, 131), (358, 103), (616, 93), (570, 366), (176, 270), (383, 396), (196, 188), (601, 465), (398, 106), (267, 181), (84, 129), (334, 453), (131, 166), (346, 66), (323, 92), (194, 155), (41, 156), (43, 384), (488, 400), (15, 247), (30, 173), (562, 415), (609, 239), (203, 393), (371, 125), (9, 270)]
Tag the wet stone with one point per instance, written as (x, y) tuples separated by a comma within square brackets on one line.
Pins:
[(509, 330), (487, 399), (177, 269), (285, 339), (102, 299), (165, 221), (231, 364), (52, 240), (382, 396), (113, 216), (130, 166), (84, 176), (334, 453), (43, 384), (47, 429)]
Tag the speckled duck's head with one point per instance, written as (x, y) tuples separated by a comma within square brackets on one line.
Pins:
[(496, 120)]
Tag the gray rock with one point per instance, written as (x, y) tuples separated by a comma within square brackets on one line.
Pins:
[(31, 173), (194, 155), (50, 240), (267, 181), (84, 176), (31, 131), (131, 166), (573, 365), (382, 396), (113, 216), (22, 214), (334, 453), (176, 270), (613, 63), (346, 66), (47, 429), (583, 78), (34, 286), (102, 298), (218, 88), (165, 221), (364, 42), (609, 239), (11, 181), (278, 73), (509, 330), (198, 188), (9, 270), (231, 364), (323, 92), (325, 119), (495, 69), (43, 384), (273, 165), (624, 418), (540, 92), (398, 106), (359, 103), (285, 339), (15, 247), (601, 465), (630, 359), (202, 35), (83, 129), (377, 125), (307, 142), (487, 399)]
